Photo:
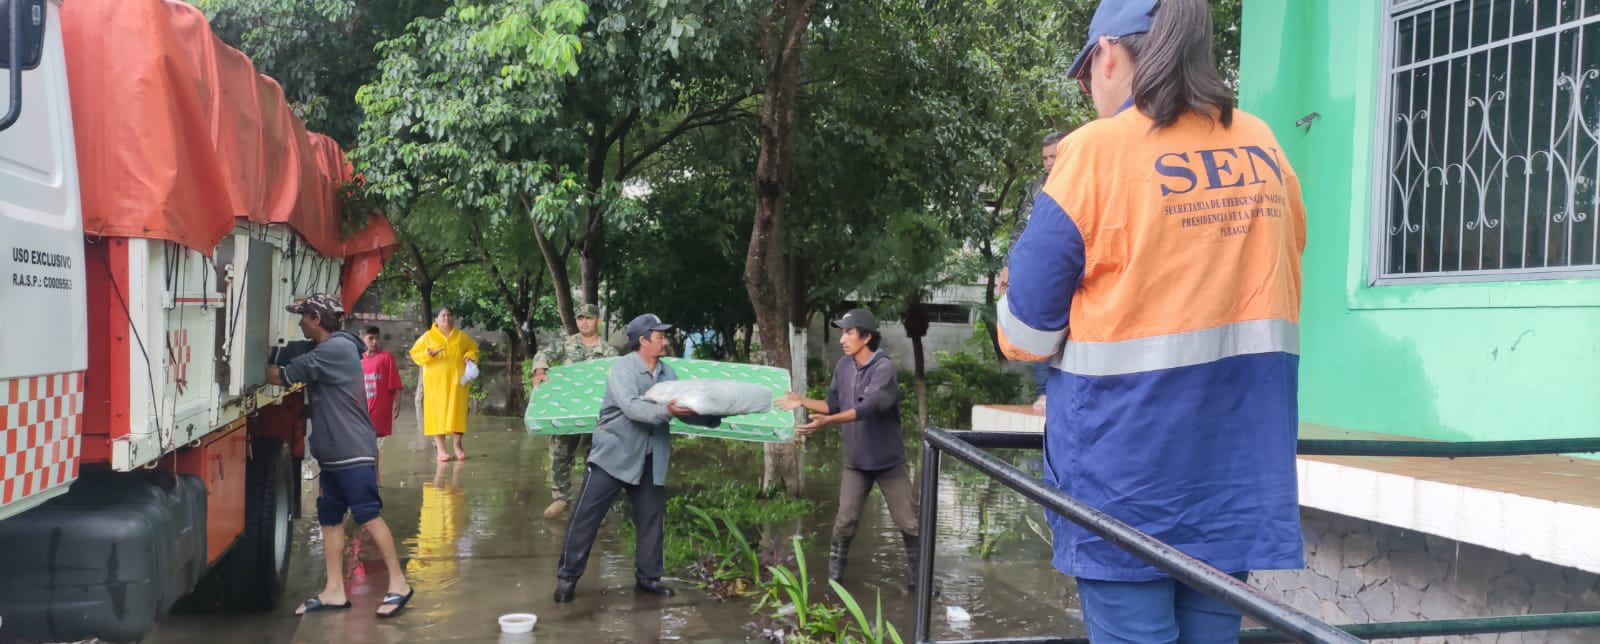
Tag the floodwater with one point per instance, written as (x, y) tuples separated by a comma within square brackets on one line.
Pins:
[(476, 546)]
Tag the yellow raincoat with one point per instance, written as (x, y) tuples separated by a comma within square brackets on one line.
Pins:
[(444, 398)]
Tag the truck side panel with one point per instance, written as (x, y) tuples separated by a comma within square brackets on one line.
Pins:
[(220, 463)]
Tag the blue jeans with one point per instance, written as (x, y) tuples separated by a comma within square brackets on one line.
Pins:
[(1155, 612)]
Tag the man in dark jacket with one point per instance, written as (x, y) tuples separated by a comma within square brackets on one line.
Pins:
[(864, 398), (345, 446)]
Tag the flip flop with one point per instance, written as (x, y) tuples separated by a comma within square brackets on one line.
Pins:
[(397, 600), (315, 604)]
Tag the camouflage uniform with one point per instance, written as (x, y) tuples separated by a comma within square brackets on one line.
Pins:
[(564, 448)]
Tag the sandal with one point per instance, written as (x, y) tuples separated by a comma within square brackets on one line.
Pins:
[(397, 600), (315, 604)]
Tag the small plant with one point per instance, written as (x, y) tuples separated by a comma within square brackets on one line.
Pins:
[(796, 617), (814, 620), (877, 631)]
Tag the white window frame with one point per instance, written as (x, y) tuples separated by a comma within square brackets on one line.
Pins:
[(1378, 242)]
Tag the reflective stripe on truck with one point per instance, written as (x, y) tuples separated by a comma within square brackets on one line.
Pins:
[(41, 424)]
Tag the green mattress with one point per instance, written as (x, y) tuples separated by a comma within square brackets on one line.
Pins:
[(570, 401)]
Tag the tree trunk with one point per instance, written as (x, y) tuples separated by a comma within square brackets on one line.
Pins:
[(782, 40), (916, 323), (989, 302), (561, 281), (424, 282), (990, 287), (425, 291), (592, 245)]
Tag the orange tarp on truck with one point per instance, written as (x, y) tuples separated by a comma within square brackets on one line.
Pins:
[(178, 136)]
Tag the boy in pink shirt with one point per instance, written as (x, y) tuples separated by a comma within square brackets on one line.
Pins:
[(382, 378)]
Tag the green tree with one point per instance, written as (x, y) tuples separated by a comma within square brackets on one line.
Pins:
[(454, 116), (681, 256), (320, 51), (494, 107)]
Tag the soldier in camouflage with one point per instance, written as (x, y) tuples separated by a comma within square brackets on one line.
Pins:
[(585, 345)]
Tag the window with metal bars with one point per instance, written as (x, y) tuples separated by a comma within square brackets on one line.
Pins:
[(1489, 133)]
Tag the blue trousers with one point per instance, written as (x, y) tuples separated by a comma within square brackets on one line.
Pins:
[(1155, 612)]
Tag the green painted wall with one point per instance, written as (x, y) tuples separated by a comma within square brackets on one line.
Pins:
[(1496, 360)]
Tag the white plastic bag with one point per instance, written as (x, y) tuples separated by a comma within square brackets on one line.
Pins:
[(470, 373), (713, 397)]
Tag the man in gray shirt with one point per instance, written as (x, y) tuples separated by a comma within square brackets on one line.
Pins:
[(629, 451), (864, 398), (345, 447)]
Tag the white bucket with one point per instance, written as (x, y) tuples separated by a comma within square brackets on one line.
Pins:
[(518, 622)]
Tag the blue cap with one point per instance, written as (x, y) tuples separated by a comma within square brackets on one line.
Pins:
[(1114, 19), (641, 326)]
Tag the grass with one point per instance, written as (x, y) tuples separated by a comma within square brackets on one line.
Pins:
[(713, 533)]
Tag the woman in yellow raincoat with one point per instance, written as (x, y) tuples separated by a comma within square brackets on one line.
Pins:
[(443, 353)]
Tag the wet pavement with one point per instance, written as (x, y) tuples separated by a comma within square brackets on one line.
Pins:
[(475, 546)]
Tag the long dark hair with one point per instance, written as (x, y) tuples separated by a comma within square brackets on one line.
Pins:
[(1174, 70)]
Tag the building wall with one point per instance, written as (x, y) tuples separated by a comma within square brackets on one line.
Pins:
[(1360, 572), (1488, 360), (941, 337)]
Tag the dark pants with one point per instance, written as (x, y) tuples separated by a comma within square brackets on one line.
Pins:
[(594, 500), (894, 483), (353, 490), (563, 451)]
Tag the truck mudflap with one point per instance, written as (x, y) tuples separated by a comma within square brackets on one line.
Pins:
[(107, 559)]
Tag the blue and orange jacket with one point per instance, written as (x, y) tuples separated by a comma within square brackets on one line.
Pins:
[(1160, 276)]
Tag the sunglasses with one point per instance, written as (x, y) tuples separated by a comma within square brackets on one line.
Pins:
[(1084, 77)]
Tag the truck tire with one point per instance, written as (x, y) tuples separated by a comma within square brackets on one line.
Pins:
[(251, 576)]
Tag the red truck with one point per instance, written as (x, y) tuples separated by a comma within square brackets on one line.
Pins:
[(160, 204)]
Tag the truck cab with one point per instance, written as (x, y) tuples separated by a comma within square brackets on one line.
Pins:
[(43, 308)]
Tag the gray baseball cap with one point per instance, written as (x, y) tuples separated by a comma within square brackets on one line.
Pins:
[(857, 319)]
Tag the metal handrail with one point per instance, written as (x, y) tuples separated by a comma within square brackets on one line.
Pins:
[(1287, 624), (1181, 567), (1345, 447)]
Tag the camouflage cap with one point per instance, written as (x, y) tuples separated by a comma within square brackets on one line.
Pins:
[(322, 304), (588, 311)]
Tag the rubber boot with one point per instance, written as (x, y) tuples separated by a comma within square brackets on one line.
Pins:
[(913, 551), (838, 552)]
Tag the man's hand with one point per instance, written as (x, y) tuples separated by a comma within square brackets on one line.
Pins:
[(540, 376), (1003, 282), (679, 412), (396, 407), (817, 422), (274, 376), (790, 401)]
